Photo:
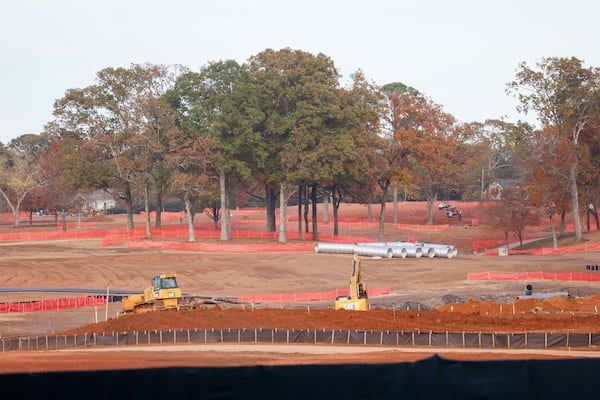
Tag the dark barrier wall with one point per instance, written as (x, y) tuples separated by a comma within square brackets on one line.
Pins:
[(530, 340), (433, 378)]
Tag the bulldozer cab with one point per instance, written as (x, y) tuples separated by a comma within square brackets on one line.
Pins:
[(164, 282)]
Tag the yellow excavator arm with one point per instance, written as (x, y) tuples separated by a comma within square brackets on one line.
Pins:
[(358, 299)]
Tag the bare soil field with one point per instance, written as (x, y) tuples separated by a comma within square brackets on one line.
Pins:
[(444, 299)]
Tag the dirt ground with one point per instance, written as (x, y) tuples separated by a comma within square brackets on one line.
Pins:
[(444, 298)]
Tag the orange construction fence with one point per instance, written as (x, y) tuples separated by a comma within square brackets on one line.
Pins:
[(51, 305), (544, 251), (307, 296), (538, 275)]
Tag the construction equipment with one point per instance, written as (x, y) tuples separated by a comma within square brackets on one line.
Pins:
[(164, 294), (357, 300)]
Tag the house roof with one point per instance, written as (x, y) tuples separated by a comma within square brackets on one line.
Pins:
[(97, 195)]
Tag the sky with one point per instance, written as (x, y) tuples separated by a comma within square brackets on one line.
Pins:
[(460, 53)]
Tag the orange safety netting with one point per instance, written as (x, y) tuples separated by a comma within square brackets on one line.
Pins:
[(51, 305), (223, 247), (306, 296), (538, 275), (423, 228), (547, 250)]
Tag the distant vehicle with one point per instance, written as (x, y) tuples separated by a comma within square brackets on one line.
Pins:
[(443, 205), (452, 211)]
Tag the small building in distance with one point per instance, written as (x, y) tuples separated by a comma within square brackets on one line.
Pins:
[(494, 190), (97, 201)]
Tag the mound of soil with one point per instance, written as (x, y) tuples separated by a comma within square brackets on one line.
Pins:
[(558, 314)]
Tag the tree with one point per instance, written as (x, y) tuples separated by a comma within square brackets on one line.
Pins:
[(564, 94), (218, 104), (296, 92), (68, 167), (589, 178), (112, 113), (489, 149), (19, 174), (193, 175), (512, 214), (429, 140), (544, 162), (348, 150)]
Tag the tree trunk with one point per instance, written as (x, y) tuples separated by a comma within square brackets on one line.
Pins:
[(159, 206), (594, 212), (336, 199), (129, 205), (15, 210), (271, 205), (64, 221), (147, 209), (16, 221), (575, 202), (189, 214), (430, 205), (381, 221), (326, 207), (562, 223), (300, 202), (225, 216), (384, 186), (553, 228), (369, 213), (215, 214), (313, 196), (395, 195), (282, 213), (306, 200)]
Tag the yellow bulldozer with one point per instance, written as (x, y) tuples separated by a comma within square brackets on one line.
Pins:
[(358, 299), (164, 294)]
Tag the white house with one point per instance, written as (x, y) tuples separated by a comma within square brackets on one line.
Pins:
[(98, 200), (494, 190)]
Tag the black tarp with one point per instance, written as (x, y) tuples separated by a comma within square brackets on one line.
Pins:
[(432, 378)]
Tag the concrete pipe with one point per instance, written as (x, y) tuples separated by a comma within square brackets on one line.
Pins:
[(340, 248), (399, 251), (414, 251), (428, 249), (374, 251), (444, 250)]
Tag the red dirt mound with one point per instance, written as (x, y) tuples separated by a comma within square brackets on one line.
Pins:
[(474, 316)]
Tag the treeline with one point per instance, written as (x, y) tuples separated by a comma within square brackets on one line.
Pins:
[(282, 125)]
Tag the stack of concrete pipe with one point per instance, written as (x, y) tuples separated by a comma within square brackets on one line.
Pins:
[(390, 249)]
